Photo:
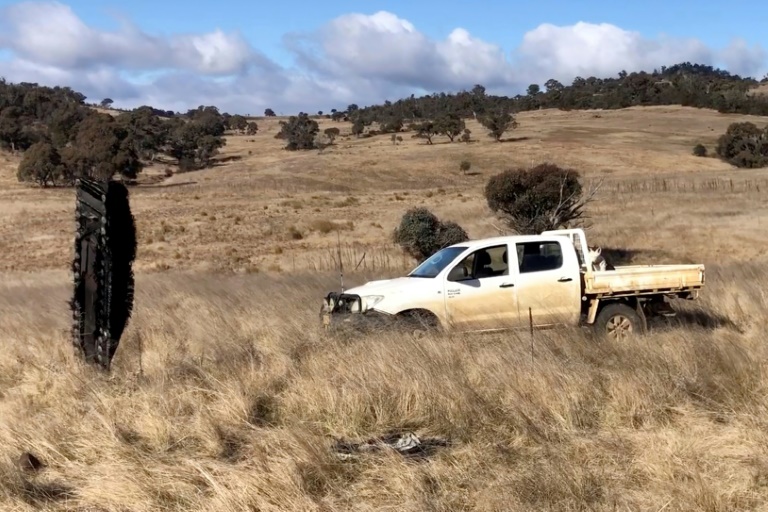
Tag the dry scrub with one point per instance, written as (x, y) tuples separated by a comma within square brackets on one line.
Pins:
[(226, 396)]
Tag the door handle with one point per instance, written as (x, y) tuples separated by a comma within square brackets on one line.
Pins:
[(564, 279), (506, 285)]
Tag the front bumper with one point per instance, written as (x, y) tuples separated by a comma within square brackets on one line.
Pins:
[(345, 309)]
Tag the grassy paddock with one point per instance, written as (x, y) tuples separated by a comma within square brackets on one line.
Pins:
[(225, 395)]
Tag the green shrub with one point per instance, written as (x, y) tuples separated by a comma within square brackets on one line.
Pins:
[(537, 199), (421, 233), (300, 132), (699, 150), (744, 145)]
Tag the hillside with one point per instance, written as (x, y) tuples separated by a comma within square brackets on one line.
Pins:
[(761, 90), (61, 137), (225, 393), (247, 212)]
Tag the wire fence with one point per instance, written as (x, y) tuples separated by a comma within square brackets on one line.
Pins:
[(662, 185)]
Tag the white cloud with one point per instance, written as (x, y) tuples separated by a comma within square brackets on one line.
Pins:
[(739, 58), (602, 50), (50, 33), (389, 50), (353, 58)]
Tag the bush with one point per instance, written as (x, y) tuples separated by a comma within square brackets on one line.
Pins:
[(537, 199), (41, 164), (331, 133), (699, 150), (744, 145), (497, 122), (300, 132), (448, 234), (421, 233)]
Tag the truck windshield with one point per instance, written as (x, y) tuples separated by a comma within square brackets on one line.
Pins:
[(437, 262)]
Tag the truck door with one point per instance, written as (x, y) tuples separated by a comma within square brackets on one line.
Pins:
[(479, 291), (548, 282)]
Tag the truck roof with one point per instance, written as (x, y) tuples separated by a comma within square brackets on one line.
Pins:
[(471, 244)]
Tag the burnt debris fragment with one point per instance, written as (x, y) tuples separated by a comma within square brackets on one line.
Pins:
[(105, 248)]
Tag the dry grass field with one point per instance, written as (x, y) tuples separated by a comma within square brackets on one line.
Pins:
[(225, 395)]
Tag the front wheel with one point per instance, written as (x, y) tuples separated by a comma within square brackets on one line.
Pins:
[(418, 323), (619, 322)]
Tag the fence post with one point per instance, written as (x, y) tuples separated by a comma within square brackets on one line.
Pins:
[(530, 323)]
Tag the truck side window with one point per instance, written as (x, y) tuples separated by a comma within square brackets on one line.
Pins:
[(539, 257), (463, 270), (486, 262)]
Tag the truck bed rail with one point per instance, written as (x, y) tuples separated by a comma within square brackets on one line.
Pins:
[(681, 280)]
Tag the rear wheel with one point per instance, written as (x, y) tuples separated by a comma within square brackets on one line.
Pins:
[(619, 322)]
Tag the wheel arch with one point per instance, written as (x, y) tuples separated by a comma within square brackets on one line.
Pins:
[(423, 313), (601, 303)]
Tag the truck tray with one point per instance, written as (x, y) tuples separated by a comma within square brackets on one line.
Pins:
[(644, 279)]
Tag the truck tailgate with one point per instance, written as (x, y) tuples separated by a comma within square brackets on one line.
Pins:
[(641, 279)]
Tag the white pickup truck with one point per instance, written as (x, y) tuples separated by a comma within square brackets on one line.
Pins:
[(516, 282)]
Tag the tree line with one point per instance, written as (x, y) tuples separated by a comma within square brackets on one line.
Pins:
[(686, 84), (444, 114), (61, 137)]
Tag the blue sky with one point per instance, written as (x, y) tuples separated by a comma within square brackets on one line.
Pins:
[(505, 46)]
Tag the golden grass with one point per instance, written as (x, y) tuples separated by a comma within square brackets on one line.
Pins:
[(760, 90), (226, 395)]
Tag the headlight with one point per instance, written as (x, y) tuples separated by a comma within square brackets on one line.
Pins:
[(370, 301)]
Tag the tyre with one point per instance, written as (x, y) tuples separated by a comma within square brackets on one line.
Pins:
[(619, 322)]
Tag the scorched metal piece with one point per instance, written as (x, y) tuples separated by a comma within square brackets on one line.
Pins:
[(105, 247)]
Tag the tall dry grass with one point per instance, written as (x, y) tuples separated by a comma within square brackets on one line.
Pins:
[(225, 395)]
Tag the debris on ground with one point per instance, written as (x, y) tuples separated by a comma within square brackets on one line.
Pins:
[(29, 462), (407, 444)]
